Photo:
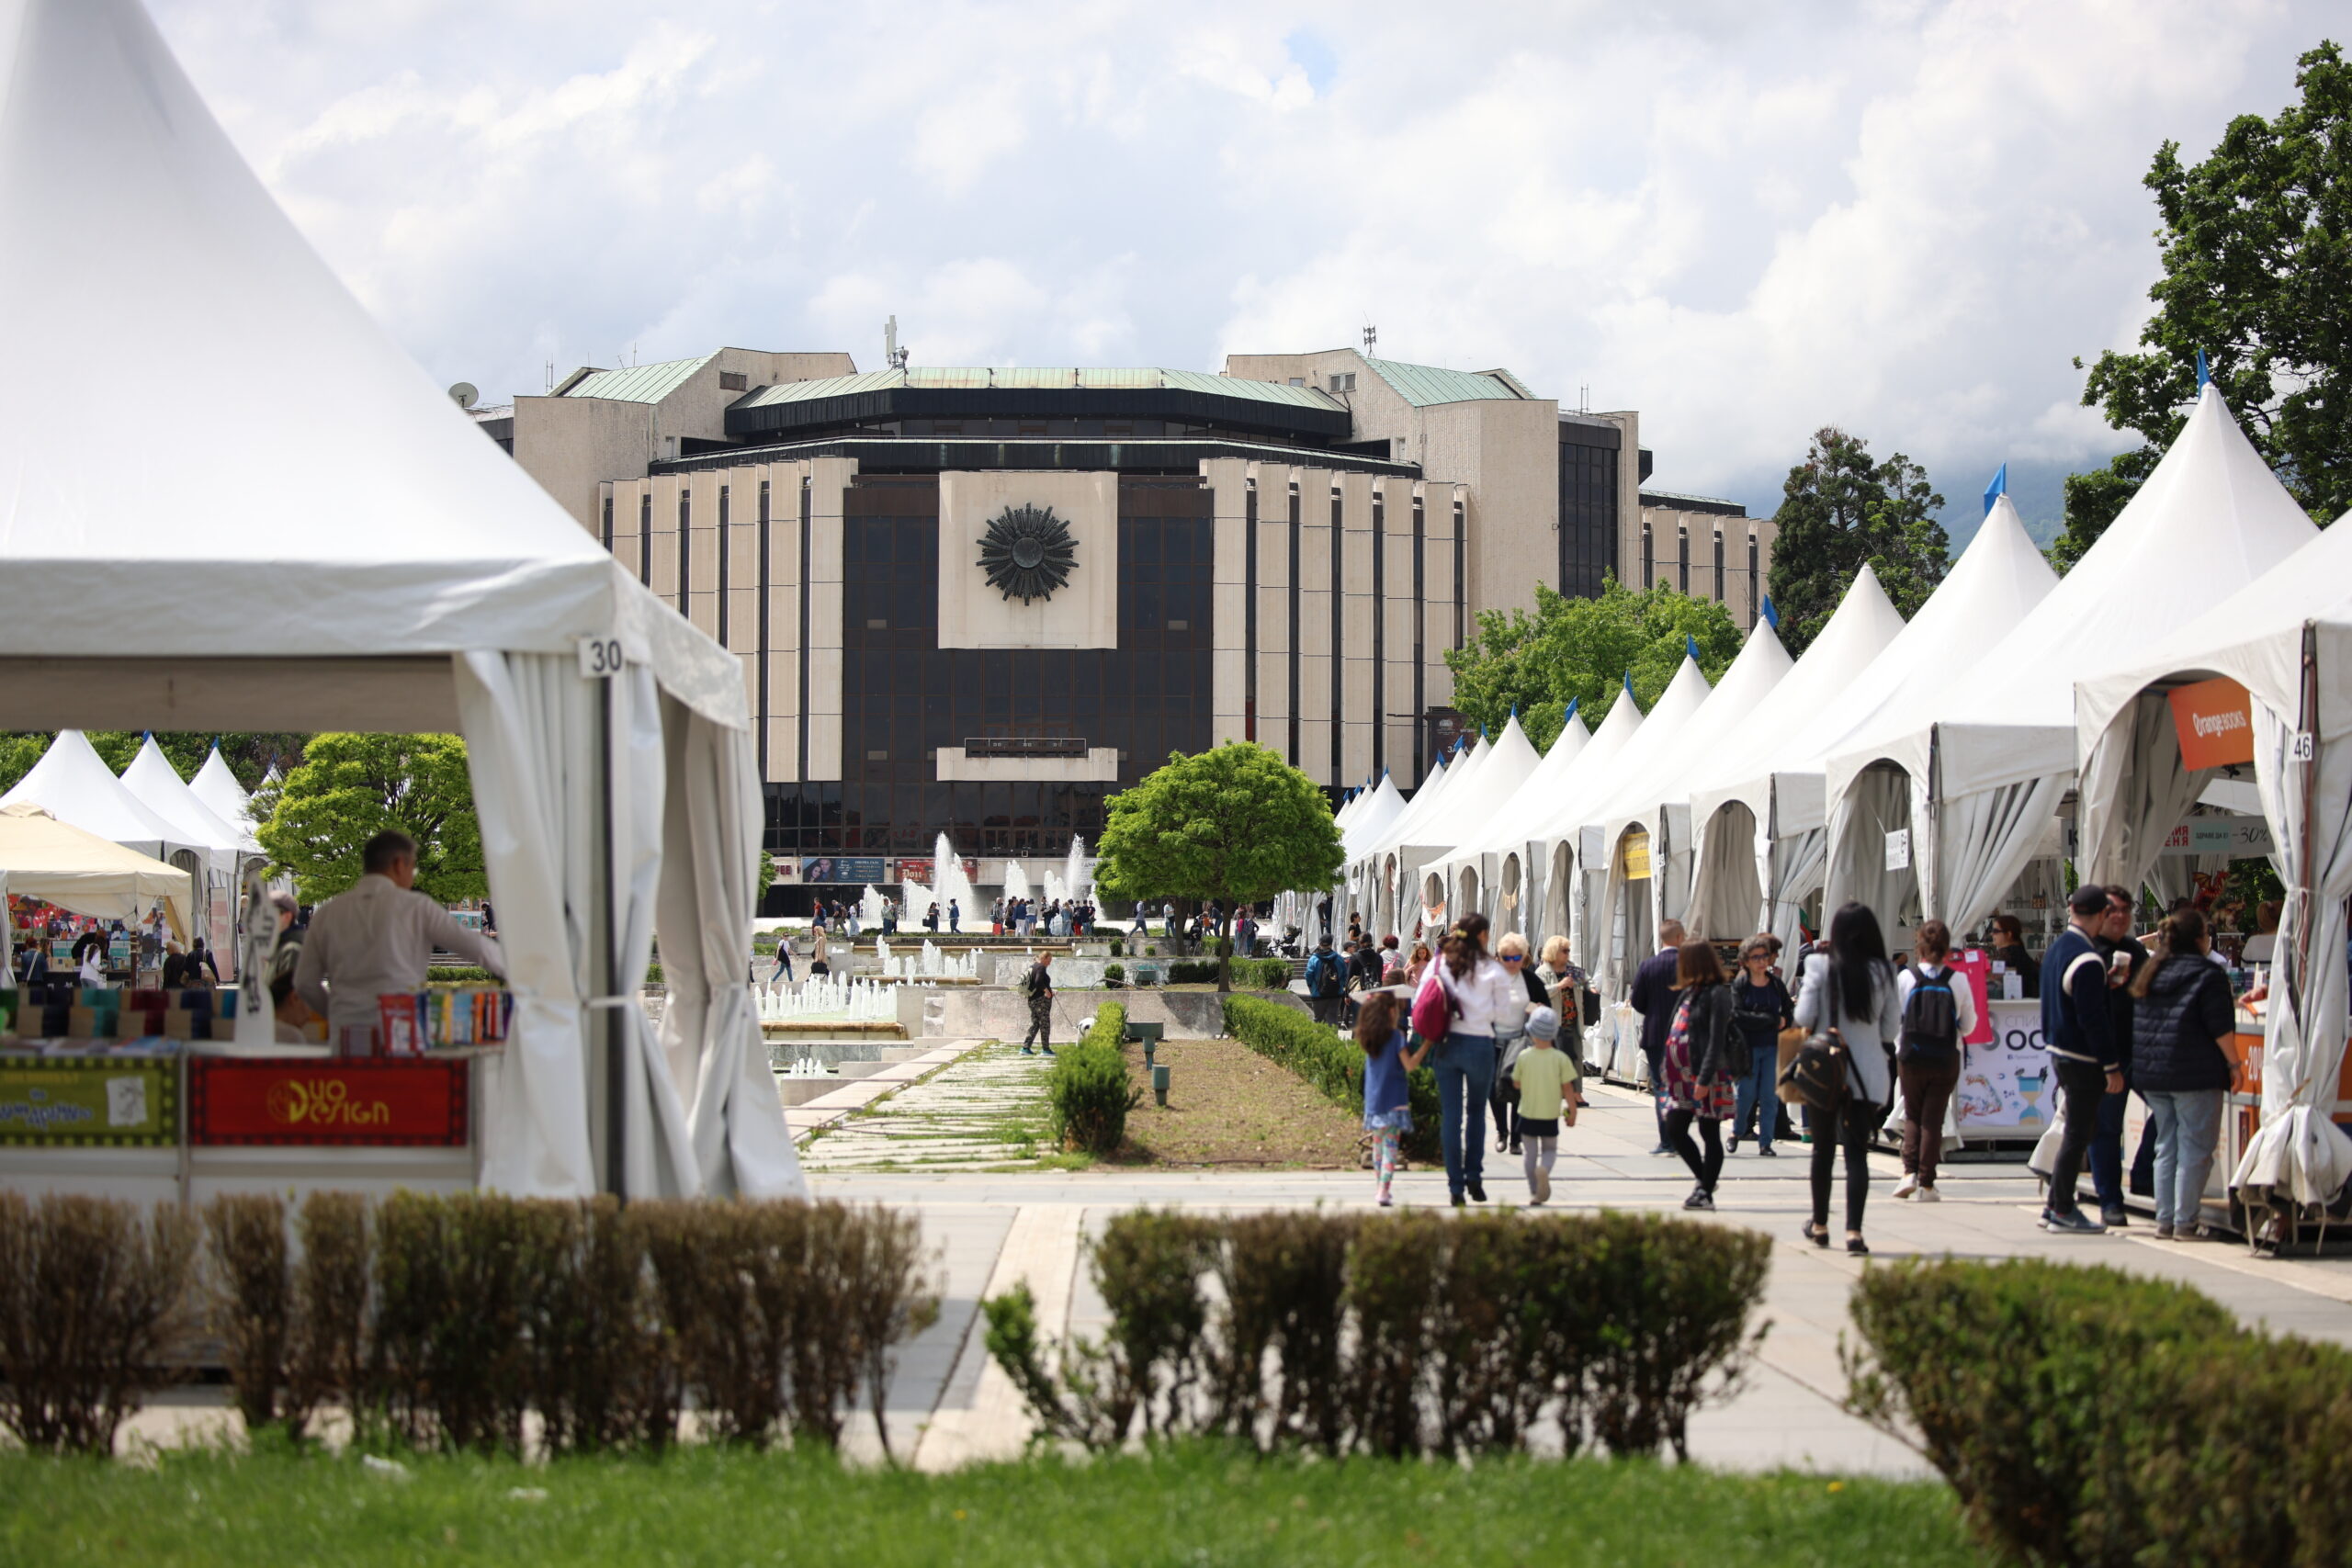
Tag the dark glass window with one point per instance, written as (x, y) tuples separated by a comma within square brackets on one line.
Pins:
[(1650, 562), (1588, 513), (1719, 566)]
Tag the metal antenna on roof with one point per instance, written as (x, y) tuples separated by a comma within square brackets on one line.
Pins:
[(1371, 338), (892, 353)]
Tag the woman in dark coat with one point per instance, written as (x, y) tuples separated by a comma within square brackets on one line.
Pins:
[(1698, 1072), (2181, 1017)]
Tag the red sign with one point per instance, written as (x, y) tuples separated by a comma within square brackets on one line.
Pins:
[(261, 1100), (1974, 966), (2215, 720)]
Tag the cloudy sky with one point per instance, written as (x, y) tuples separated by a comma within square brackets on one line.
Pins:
[(1743, 220)]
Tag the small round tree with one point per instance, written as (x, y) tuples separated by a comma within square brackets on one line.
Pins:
[(1234, 826)]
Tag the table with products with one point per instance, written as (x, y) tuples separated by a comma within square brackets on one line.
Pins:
[(146, 1095)]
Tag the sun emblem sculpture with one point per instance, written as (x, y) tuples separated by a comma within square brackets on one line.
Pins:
[(1027, 552)]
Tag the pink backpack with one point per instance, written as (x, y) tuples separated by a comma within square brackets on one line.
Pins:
[(1434, 1008)]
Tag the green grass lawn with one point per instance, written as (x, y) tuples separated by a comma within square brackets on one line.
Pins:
[(1195, 1505)]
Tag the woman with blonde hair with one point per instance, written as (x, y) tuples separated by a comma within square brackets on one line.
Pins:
[(1510, 1039)]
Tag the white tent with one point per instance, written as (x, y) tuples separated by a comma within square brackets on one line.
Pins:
[(396, 572), (1974, 771), (226, 798), (1749, 869), (2287, 638), (72, 783), (1493, 850), (1509, 762), (43, 858), (1367, 817), (160, 788), (1655, 800), (1382, 891)]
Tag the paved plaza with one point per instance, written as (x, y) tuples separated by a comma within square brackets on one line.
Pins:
[(996, 1227)]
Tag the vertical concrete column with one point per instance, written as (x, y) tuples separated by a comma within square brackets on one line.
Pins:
[(702, 549), (1318, 688), (1396, 611), (1359, 599), (782, 594), (1273, 605), (833, 475), (662, 530), (1228, 479)]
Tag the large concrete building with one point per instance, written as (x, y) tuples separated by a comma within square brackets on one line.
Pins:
[(980, 601)]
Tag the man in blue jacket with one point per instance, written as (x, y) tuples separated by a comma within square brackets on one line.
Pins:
[(2077, 1022)]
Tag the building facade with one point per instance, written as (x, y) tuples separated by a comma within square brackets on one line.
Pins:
[(981, 601)]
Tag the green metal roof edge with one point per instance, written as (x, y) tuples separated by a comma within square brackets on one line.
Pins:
[(638, 383), (1426, 385), (1035, 377)]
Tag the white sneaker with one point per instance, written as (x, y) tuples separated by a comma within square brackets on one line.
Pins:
[(1927, 1195), (1909, 1185), (1543, 1186)]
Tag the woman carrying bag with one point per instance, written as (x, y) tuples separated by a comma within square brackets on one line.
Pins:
[(1699, 1058), (2181, 1017), (1849, 988), (1457, 1005)]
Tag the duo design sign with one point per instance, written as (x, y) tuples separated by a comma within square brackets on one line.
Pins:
[(1027, 552), (258, 1100)]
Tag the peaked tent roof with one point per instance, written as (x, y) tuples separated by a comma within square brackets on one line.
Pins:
[(1665, 775), (1380, 807), (1847, 647), (1594, 785), (1423, 807), (218, 787), (1576, 751), (133, 237), (158, 785), (43, 858), (1509, 763), (2210, 519), (72, 783)]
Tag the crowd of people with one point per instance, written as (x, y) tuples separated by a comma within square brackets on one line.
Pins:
[(1059, 918), (1735, 1055)]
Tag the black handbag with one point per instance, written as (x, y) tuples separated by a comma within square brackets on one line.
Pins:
[(1820, 1073)]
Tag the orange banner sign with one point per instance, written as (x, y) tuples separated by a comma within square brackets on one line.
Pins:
[(2215, 722)]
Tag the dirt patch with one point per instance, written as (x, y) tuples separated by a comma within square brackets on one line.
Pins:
[(1228, 1107)]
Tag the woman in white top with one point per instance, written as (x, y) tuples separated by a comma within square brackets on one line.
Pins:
[(1926, 1065), (1478, 993), (1851, 988)]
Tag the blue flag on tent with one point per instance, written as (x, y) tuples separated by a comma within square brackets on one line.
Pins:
[(1997, 488), (2204, 377), (1572, 711), (1690, 646), (1771, 613)]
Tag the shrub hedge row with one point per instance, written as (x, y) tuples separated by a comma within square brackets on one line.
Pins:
[(1254, 973), (1331, 1061), (2086, 1416), (1089, 1093), (1400, 1335), (444, 1322)]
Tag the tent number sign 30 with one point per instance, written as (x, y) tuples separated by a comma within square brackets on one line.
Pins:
[(600, 658)]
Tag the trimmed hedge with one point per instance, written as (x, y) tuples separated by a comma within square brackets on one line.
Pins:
[(2086, 1416), (447, 1322), (1256, 974), (1088, 1092), (1403, 1335), (1329, 1060)]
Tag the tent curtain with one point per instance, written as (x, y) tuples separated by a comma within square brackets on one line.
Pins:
[(532, 745), (2299, 1151), (710, 1031), (1727, 891), (2134, 792), (1878, 802), (1795, 863), (1982, 842)]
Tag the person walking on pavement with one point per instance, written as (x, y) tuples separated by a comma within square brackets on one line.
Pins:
[(1327, 982), (1655, 997), (954, 916), (1511, 1038), (1939, 1010), (1761, 1009), (1472, 990), (1388, 1057), (1701, 1051), (2181, 1066), (2078, 1024), (1038, 985), (1849, 986), (1550, 1084)]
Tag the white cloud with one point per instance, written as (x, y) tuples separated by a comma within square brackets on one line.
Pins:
[(1745, 221)]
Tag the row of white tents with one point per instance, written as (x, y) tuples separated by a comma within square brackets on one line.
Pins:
[(1933, 767)]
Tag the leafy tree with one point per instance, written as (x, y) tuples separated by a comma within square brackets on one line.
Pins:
[(2257, 273), (1579, 650), (1838, 511), (351, 787), (1236, 825), (249, 754)]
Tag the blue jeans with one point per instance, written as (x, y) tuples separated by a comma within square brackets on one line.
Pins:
[(1465, 1077), (2106, 1151), (2188, 1128), (1758, 1094)]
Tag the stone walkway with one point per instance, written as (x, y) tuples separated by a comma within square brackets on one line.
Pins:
[(949, 1404), (964, 1108)]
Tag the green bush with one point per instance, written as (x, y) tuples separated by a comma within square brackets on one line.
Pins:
[(92, 1309), (1115, 976), (461, 975), (1400, 1335), (2086, 1416), (1331, 1061), (1118, 949), (1088, 1092)]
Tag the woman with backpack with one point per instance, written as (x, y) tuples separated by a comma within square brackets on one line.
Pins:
[(1459, 1001), (2181, 1016), (1847, 991), (1702, 1048), (1939, 1010)]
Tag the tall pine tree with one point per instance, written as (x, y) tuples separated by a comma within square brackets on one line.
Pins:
[(1839, 510)]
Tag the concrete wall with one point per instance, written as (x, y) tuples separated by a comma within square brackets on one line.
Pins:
[(1084, 612), (1668, 525)]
